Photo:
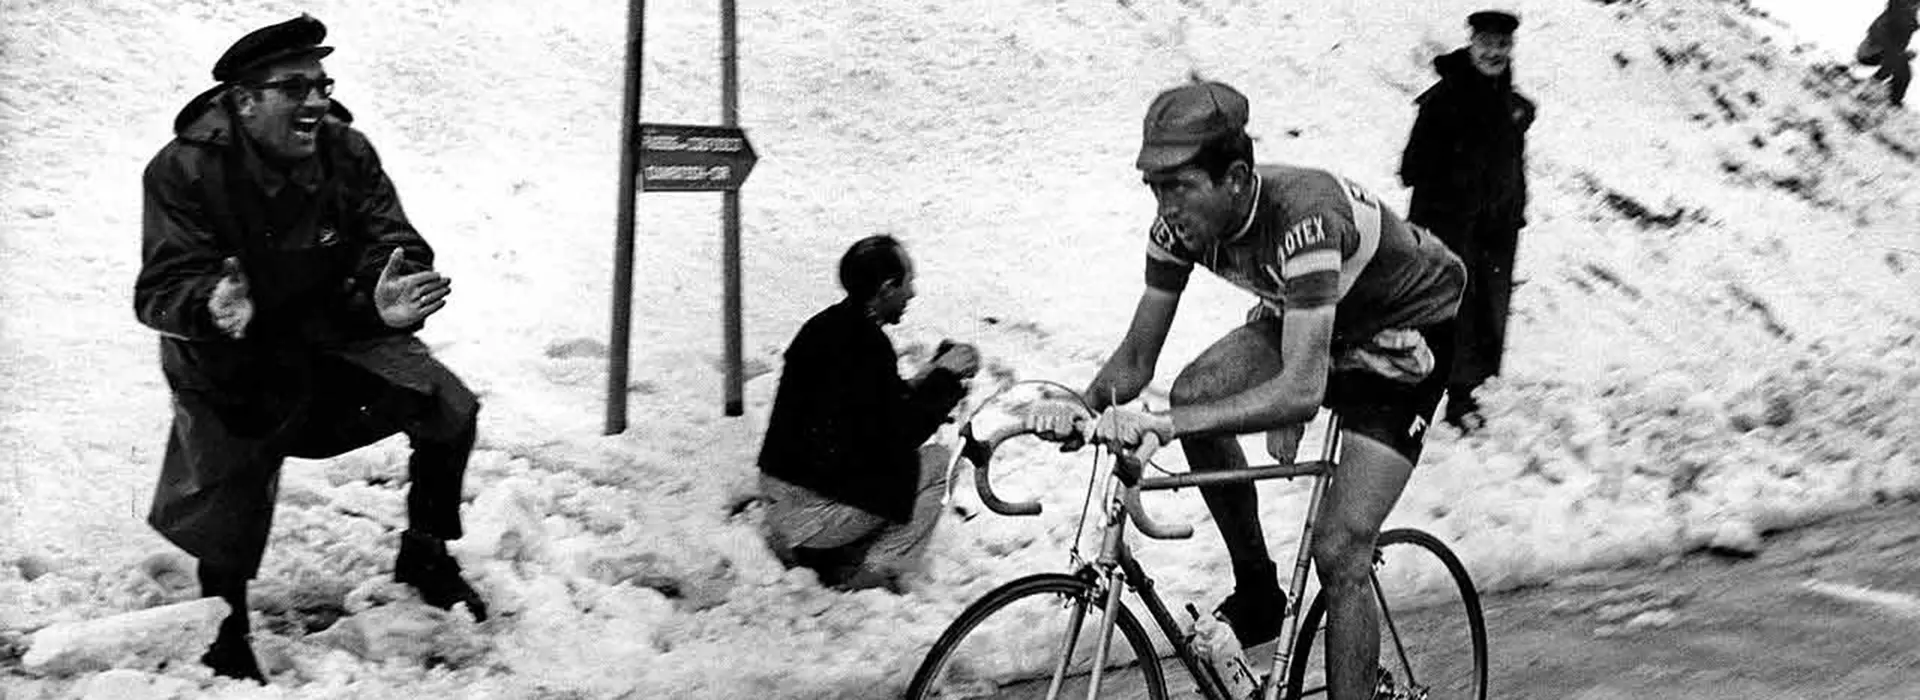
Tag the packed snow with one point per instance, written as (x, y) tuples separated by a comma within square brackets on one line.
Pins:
[(1715, 336)]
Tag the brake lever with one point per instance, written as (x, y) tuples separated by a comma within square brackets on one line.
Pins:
[(1131, 465)]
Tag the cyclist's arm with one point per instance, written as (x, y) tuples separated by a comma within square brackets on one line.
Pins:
[(1127, 372), (1292, 396)]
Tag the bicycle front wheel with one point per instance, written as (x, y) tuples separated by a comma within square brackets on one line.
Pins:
[(1433, 638), (1035, 637)]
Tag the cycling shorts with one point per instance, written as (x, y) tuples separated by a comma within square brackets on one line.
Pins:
[(1393, 412)]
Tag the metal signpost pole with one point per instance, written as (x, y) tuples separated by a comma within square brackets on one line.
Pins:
[(617, 350), (730, 211)]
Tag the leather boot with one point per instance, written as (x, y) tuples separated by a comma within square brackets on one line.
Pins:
[(231, 654), (425, 564)]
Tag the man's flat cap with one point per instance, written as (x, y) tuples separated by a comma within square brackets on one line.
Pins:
[(295, 38), (1183, 119), (1493, 21)]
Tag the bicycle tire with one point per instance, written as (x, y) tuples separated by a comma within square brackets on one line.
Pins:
[(1400, 545), (935, 678)]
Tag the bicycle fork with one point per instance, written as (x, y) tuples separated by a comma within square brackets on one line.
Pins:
[(1109, 565)]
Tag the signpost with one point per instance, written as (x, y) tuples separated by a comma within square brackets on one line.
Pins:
[(678, 158), (682, 158)]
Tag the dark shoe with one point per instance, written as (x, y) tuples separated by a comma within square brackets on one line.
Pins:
[(862, 579), (231, 654), (1468, 423), (1463, 411), (1385, 688), (425, 564), (838, 567), (1254, 617)]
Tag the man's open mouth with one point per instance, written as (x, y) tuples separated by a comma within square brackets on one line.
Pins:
[(304, 127)]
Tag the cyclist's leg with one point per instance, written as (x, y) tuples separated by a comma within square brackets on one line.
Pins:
[(1244, 357), (1384, 424), (1367, 484)]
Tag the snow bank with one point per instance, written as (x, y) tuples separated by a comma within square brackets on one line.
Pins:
[(1714, 334), (141, 639)]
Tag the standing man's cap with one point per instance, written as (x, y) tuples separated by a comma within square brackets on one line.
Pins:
[(1494, 21), (1180, 120), (295, 38)]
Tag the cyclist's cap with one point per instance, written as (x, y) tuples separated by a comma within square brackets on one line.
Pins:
[(1493, 21), (1182, 119), (299, 37)]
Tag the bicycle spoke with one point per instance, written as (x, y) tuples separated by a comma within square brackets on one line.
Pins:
[(1392, 631), (1432, 637), (1039, 641)]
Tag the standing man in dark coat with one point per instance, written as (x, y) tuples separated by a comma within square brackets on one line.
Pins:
[(286, 284), (1886, 47), (1466, 163), (850, 492)]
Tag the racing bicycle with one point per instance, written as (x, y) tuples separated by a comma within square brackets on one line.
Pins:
[(1053, 635)]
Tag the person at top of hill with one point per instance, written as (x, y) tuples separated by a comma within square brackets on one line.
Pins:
[(287, 284), (1886, 46), (1466, 162), (1347, 297), (850, 492)]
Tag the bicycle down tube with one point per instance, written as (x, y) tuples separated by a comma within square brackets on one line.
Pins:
[(1320, 470)]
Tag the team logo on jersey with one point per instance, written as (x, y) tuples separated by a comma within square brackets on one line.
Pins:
[(1306, 232), (329, 237), (1419, 426)]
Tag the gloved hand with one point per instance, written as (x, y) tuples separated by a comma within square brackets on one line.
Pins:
[(1058, 420), (1121, 427)]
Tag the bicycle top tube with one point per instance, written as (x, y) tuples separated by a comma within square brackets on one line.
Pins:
[(1236, 476)]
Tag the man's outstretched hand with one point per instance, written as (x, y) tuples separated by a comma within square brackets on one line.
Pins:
[(231, 306), (406, 299)]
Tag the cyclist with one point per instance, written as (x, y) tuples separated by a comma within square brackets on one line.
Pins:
[(1349, 295)]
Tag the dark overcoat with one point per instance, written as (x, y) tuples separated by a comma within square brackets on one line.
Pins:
[(312, 241), (1466, 163)]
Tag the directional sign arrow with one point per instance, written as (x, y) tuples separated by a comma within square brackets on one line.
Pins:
[(684, 158)]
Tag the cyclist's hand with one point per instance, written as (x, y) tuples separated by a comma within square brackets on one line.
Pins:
[(959, 358), (1122, 427), (1058, 421)]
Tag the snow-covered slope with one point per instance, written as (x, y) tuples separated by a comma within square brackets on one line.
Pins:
[(1715, 329)]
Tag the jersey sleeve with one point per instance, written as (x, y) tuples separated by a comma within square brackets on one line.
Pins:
[(1310, 258), (1168, 264)]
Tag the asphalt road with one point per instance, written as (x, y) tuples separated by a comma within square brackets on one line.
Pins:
[(1829, 610)]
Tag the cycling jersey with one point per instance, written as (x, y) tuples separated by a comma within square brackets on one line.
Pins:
[(1313, 240)]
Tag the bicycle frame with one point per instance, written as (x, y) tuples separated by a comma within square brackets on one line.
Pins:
[(1115, 566)]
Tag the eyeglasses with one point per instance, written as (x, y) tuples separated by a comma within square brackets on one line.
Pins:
[(299, 86)]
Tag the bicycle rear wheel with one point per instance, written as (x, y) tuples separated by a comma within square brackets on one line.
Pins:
[(1433, 639), (1011, 642)]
